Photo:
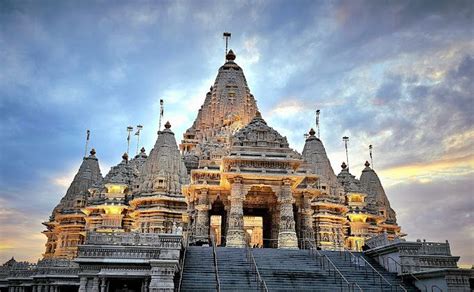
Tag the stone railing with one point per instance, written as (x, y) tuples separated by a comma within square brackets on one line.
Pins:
[(134, 239), (381, 240), (435, 248), (57, 267), (118, 253)]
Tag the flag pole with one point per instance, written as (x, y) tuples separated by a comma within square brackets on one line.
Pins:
[(88, 134)]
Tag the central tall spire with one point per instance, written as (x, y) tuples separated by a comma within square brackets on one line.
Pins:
[(228, 107)]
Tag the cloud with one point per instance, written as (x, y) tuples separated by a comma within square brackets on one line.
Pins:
[(437, 211)]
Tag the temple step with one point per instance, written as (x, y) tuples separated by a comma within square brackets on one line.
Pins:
[(199, 274), (281, 269)]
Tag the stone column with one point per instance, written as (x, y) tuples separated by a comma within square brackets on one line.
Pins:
[(162, 275), (34, 288), (306, 213), (235, 230), (83, 284), (95, 284), (147, 283), (275, 226), (103, 284), (202, 220), (287, 235)]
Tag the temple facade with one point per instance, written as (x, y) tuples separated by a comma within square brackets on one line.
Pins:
[(233, 178), (230, 168), (240, 167)]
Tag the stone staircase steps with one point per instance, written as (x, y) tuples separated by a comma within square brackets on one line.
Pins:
[(281, 269), (199, 274)]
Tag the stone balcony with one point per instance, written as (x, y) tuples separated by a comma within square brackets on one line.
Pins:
[(134, 239)]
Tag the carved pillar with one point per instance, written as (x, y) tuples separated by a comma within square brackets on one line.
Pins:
[(307, 230), (287, 234), (202, 220), (275, 226), (235, 231), (162, 275), (147, 283), (83, 284), (95, 284), (103, 284)]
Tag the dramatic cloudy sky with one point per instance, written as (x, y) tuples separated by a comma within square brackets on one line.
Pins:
[(395, 74)]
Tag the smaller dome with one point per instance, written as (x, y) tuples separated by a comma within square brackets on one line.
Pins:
[(230, 56)]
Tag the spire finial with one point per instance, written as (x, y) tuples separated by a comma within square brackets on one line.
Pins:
[(343, 165), (230, 56), (367, 164), (227, 36), (167, 125), (142, 150), (125, 156), (312, 132), (92, 153)]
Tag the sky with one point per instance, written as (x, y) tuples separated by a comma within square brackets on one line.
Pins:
[(394, 74)]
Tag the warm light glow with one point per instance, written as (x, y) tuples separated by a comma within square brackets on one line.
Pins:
[(357, 218), (115, 189), (356, 197), (113, 210)]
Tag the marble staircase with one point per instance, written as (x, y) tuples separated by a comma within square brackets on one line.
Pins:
[(283, 270)]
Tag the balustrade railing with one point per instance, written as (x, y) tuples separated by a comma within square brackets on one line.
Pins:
[(261, 285), (326, 264), (360, 262), (213, 243), (182, 260), (402, 274)]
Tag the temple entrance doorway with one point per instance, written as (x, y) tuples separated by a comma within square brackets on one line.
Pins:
[(253, 226), (218, 222), (258, 224), (125, 285)]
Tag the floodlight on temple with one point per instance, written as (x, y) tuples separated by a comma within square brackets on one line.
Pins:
[(137, 133), (129, 131)]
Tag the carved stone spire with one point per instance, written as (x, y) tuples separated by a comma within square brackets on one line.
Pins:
[(318, 162), (370, 181), (163, 170), (87, 175), (227, 107)]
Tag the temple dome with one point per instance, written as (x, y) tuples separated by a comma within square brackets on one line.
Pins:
[(317, 160), (163, 170), (258, 134), (88, 175), (348, 181), (370, 181), (227, 107), (122, 173)]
